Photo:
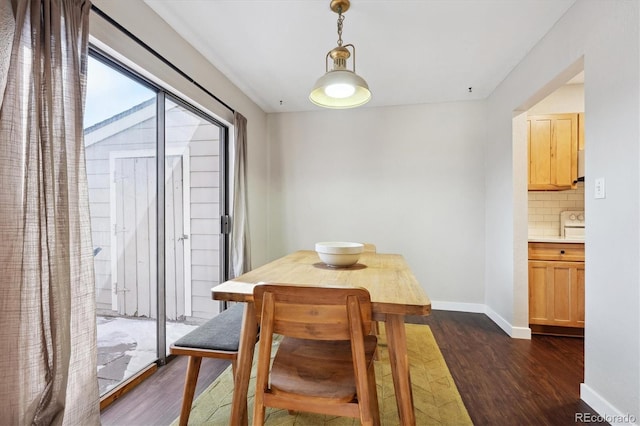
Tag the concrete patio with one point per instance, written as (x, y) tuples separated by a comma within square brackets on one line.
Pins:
[(126, 345)]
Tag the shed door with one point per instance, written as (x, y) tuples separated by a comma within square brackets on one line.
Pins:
[(135, 221)]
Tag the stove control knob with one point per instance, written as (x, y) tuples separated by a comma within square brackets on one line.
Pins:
[(580, 217), (572, 217)]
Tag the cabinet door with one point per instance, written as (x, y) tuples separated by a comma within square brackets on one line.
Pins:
[(580, 131), (578, 308), (553, 151), (539, 289), (556, 293), (563, 276)]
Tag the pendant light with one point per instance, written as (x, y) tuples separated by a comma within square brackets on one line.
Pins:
[(340, 87)]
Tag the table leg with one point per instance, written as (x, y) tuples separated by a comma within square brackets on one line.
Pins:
[(399, 359), (239, 415)]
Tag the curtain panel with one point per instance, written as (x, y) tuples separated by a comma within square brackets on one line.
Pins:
[(240, 240), (7, 28), (47, 300)]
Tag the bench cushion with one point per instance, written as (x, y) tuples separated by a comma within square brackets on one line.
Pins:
[(220, 333)]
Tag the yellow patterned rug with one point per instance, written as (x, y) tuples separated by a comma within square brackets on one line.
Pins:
[(435, 396)]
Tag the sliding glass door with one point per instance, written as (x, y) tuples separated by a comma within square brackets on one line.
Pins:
[(194, 204), (156, 173)]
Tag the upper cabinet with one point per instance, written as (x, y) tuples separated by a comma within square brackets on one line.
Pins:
[(553, 151)]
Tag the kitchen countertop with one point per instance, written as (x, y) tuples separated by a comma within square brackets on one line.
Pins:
[(556, 239)]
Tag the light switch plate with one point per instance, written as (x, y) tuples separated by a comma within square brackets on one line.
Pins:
[(599, 188)]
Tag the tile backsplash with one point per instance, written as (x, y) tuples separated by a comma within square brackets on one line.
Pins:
[(545, 208)]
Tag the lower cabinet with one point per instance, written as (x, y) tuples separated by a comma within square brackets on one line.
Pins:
[(556, 287)]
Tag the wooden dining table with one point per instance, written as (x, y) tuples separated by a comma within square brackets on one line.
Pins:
[(395, 295)]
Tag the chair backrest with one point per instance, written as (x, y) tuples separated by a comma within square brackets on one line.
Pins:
[(318, 313), (369, 247)]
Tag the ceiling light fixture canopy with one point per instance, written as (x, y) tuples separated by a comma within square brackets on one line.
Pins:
[(340, 87)]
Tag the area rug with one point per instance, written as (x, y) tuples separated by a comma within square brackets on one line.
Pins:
[(435, 396)]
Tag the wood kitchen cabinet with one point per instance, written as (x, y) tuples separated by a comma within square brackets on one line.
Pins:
[(556, 284), (553, 151), (580, 131)]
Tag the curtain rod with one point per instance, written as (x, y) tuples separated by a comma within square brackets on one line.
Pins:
[(157, 55)]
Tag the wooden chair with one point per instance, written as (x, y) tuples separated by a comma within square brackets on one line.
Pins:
[(217, 338), (368, 247), (324, 363)]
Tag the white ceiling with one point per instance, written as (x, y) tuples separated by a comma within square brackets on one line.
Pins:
[(409, 51)]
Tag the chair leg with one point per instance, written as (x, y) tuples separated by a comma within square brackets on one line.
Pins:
[(375, 330), (368, 399), (259, 409), (373, 396), (191, 379), (262, 377)]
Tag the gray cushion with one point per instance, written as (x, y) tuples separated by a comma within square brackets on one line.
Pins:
[(220, 333)]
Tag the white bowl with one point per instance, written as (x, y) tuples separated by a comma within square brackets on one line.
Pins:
[(339, 253)]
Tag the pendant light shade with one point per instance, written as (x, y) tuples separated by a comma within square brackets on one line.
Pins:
[(340, 87)]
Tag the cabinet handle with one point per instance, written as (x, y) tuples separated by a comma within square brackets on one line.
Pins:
[(561, 251)]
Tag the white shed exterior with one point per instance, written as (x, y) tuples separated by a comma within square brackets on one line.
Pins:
[(121, 171)]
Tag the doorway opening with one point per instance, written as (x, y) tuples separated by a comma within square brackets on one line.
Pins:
[(551, 294)]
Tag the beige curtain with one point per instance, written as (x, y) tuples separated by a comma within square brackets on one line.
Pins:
[(7, 27), (240, 241), (47, 302)]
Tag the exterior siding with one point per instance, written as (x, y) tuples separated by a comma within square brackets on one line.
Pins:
[(136, 132)]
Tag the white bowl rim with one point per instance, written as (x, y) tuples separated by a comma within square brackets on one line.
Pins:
[(339, 247)]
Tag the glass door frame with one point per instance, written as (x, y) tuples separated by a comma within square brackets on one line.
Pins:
[(162, 95)]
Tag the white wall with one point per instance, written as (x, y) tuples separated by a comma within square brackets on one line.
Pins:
[(408, 179), (145, 24), (567, 99), (605, 36)]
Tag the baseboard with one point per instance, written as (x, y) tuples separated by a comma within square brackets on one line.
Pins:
[(476, 308), (605, 410), (479, 308), (554, 330), (515, 332)]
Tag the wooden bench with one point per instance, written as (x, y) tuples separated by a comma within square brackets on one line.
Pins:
[(217, 338)]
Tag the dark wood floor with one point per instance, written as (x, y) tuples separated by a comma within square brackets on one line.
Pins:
[(506, 381), (157, 400), (502, 381)]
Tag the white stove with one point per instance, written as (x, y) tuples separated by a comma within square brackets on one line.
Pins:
[(572, 224)]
